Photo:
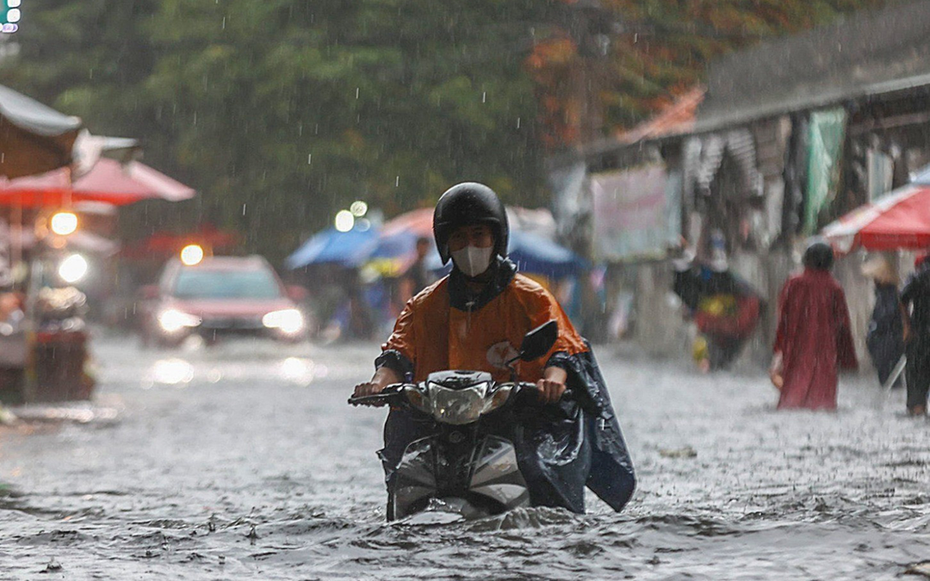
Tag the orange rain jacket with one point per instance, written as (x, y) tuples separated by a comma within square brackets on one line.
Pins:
[(434, 337)]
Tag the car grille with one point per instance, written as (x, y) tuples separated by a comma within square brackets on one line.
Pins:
[(232, 323)]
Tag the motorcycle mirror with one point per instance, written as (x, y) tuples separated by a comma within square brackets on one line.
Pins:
[(537, 342)]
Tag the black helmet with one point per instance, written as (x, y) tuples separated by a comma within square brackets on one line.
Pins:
[(818, 255), (465, 204)]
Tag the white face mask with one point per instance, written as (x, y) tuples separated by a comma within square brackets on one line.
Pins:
[(472, 260)]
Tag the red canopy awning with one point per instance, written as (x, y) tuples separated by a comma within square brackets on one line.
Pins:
[(162, 244), (898, 221), (109, 181)]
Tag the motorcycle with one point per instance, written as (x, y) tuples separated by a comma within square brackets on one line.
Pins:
[(467, 466)]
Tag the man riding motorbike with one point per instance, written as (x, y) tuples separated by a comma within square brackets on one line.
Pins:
[(475, 319)]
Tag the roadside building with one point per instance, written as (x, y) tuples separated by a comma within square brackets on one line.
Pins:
[(787, 136)]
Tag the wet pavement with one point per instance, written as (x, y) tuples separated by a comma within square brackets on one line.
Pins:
[(244, 461)]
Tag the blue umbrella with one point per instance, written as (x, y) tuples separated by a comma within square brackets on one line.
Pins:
[(398, 246), (534, 254), (334, 247), (538, 255)]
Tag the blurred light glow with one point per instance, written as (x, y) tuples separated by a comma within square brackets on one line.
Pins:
[(344, 220), (64, 223), (363, 225), (191, 254), (13, 15), (173, 320), (73, 268), (14, 3), (358, 208), (289, 321), (173, 371), (297, 370)]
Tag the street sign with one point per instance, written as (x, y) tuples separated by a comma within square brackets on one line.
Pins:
[(10, 15)]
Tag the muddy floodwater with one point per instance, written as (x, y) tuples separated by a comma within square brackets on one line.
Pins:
[(243, 461)]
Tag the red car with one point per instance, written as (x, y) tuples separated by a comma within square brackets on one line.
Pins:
[(226, 295)]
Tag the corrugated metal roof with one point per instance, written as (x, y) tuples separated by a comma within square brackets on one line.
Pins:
[(674, 121), (869, 53)]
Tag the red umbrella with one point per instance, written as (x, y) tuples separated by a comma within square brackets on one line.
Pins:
[(418, 222), (900, 220), (109, 181)]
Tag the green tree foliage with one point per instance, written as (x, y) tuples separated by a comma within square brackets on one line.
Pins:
[(281, 112)]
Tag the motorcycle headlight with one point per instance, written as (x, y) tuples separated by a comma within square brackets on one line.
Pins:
[(289, 321), (173, 320), (458, 406)]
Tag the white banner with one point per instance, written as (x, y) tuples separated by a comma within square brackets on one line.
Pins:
[(637, 212)]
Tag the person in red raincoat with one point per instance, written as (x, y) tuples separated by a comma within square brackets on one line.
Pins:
[(813, 339)]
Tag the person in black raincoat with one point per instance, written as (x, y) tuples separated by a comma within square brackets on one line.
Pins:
[(915, 310), (475, 319), (885, 335)]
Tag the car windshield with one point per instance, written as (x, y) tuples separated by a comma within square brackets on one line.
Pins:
[(226, 284)]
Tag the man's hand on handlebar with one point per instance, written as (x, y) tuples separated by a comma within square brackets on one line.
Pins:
[(381, 379), (552, 385)]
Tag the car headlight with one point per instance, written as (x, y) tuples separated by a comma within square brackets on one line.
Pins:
[(458, 406), (173, 320), (73, 268), (289, 321)]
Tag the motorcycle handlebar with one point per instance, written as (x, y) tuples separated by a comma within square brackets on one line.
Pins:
[(392, 393)]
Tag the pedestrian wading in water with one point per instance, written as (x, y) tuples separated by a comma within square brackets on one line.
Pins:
[(813, 340), (915, 308), (885, 336), (725, 308)]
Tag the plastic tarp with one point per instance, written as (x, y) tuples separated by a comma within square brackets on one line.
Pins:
[(827, 131), (34, 138)]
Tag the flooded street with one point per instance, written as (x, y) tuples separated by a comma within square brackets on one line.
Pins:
[(244, 461)]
